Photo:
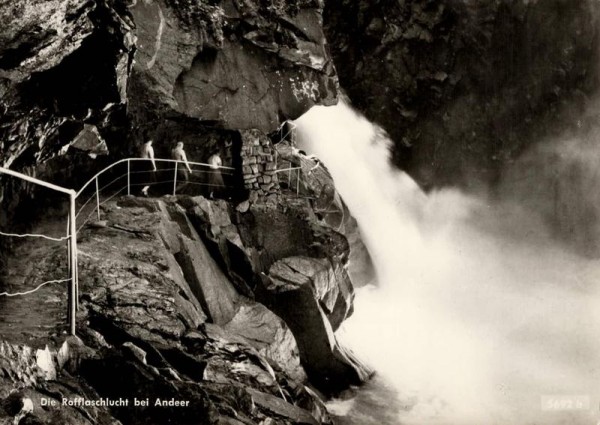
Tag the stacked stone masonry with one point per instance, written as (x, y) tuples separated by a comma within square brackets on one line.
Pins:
[(259, 166)]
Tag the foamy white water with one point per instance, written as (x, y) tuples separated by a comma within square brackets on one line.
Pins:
[(478, 314)]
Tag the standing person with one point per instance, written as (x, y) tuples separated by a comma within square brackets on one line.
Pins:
[(148, 167), (215, 178), (178, 154)]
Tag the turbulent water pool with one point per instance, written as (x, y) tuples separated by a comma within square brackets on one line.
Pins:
[(478, 315)]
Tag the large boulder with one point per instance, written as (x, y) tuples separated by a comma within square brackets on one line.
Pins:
[(260, 328), (212, 220), (294, 296), (127, 303), (126, 271), (247, 243), (330, 282), (201, 274), (297, 267)]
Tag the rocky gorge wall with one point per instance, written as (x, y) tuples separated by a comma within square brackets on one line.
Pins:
[(230, 307), (197, 72), (177, 293), (464, 87), (167, 70), (492, 97), (189, 299)]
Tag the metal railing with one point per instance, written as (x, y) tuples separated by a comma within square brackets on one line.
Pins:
[(290, 168), (71, 237), (123, 181), (74, 213), (117, 185), (282, 137)]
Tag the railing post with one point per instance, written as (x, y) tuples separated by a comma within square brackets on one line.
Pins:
[(73, 272), (76, 280), (69, 241), (97, 199), (175, 180), (128, 176), (297, 181)]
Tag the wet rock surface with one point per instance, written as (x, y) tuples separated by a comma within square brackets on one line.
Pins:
[(292, 295), (33, 41), (63, 64), (160, 319), (321, 201)]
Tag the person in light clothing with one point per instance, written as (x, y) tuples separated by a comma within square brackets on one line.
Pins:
[(215, 178), (183, 170), (148, 167)]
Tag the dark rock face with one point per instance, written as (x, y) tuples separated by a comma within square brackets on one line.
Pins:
[(240, 65), (63, 63), (208, 283), (269, 335), (330, 285), (463, 87), (33, 41), (299, 292), (297, 268), (170, 70), (35, 372), (173, 302), (168, 313), (163, 69)]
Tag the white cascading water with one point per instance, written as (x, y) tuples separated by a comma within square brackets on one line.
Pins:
[(476, 317)]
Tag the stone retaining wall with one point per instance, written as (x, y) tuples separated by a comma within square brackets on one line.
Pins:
[(259, 166)]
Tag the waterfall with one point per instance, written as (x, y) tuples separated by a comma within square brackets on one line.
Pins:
[(478, 316)]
